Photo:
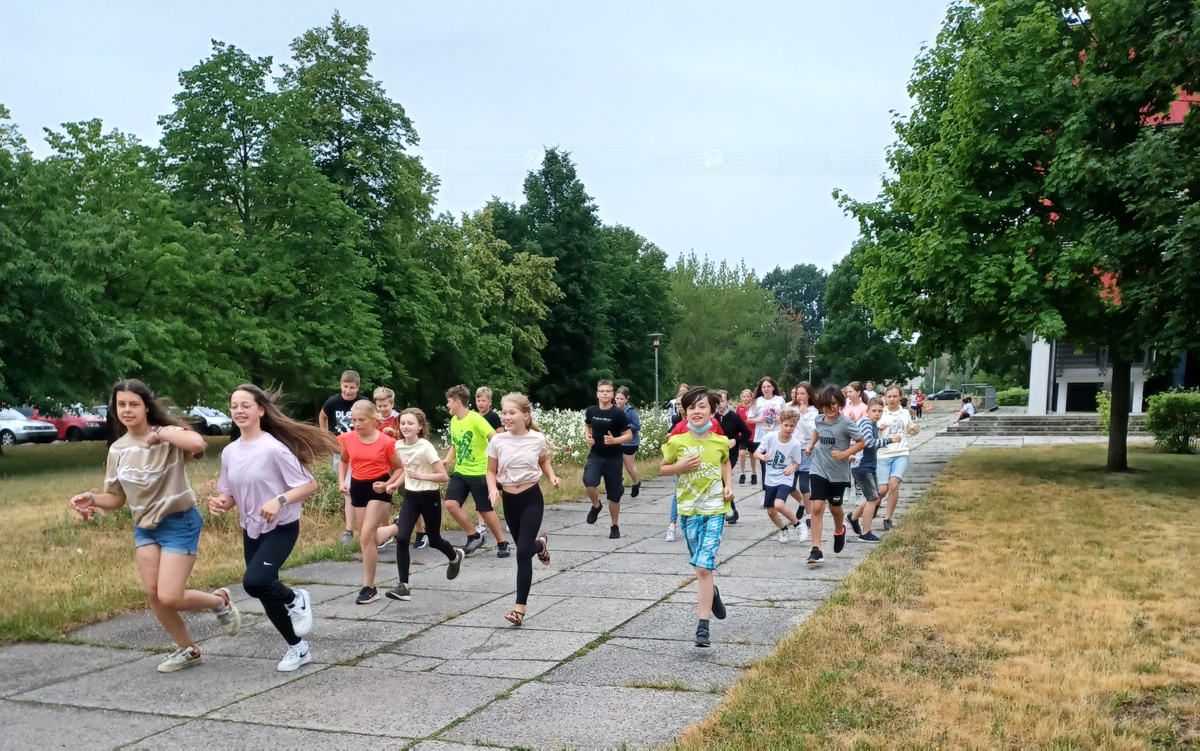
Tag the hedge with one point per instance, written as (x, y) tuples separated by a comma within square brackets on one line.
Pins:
[(1173, 418), (1017, 397)]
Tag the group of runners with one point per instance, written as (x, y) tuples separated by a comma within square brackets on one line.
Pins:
[(809, 449)]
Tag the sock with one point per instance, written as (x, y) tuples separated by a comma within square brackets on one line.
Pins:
[(797, 524), (808, 521), (475, 536), (702, 623)]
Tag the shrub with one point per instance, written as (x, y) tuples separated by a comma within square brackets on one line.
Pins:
[(1017, 397), (1104, 408), (1174, 420)]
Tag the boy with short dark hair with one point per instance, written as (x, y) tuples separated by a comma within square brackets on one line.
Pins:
[(700, 460), (335, 417), (839, 439), (469, 437), (864, 472), (605, 429)]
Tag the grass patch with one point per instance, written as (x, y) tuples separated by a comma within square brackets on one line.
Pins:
[(56, 574), (1028, 601)]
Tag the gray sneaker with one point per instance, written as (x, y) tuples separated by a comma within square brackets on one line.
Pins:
[(456, 564), (399, 592), (228, 614), (347, 538), (887, 524), (179, 659), (473, 544)]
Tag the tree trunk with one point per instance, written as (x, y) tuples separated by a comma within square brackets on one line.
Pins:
[(1118, 416)]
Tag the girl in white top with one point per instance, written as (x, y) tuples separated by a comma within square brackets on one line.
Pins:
[(893, 459), (517, 459), (803, 402), (762, 417), (419, 473)]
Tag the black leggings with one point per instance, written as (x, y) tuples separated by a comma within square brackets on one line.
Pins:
[(425, 504), (523, 512), (264, 556)]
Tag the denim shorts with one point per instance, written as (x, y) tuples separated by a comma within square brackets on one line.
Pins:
[(894, 466), (867, 485), (177, 533), (703, 535)]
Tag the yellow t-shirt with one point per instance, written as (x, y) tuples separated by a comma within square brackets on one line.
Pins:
[(701, 491)]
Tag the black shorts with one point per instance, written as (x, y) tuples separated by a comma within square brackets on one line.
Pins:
[(628, 450), (824, 490), (362, 493), (802, 482), (474, 485), (611, 469)]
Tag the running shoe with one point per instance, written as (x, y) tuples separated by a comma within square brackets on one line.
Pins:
[(805, 535), (502, 550), (839, 539), (481, 529), (366, 595), (297, 655), (742, 479), (474, 543), (456, 564), (753, 479), (718, 607), (702, 639), (421, 542), (868, 537), (887, 524), (593, 514), (181, 658), (399, 592), (614, 533), (637, 488), (347, 538), (814, 555), (854, 524), (389, 542), (671, 533), (783, 535), (299, 610), (228, 614), (733, 516)]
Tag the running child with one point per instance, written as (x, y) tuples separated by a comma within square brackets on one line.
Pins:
[(681, 428), (834, 441), (804, 400), (483, 405), (265, 473), (517, 459), (629, 450), (746, 401), (738, 433), (467, 459), (335, 417), (145, 470), (768, 403), (674, 414), (864, 472), (419, 472), (781, 455), (368, 458), (895, 422), (385, 402), (856, 408), (605, 429), (700, 460)]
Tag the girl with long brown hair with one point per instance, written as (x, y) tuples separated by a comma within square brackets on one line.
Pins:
[(146, 456), (265, 472)]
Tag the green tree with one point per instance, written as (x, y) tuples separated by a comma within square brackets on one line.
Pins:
[(801, 290)]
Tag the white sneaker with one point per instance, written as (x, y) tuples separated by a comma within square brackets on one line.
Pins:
[(783, 535), (481, 529), (671, 533), (389, 542), (805, 535), (295, 657), (300, 611), (179, 659)]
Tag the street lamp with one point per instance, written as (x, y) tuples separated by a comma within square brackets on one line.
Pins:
[(657, 337), (810, 359)]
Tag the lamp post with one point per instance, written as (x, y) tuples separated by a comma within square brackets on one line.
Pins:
[(810, 359), (657, 338)]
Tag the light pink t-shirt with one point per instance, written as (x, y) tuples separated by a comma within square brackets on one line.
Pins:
[(855, 413), (254, 473), (517, 457)]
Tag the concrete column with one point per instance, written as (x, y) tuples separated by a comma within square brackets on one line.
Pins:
[(1137, 384), (1039, 377)]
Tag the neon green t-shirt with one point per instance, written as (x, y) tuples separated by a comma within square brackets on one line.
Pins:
[(701, 492), (470, 438)]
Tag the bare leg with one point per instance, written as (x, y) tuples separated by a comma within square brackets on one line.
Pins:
[(630, 468), (818, 520), (458, 514), (594, 496), (867, 516), (374, 515), (839, 520), (350, 516), (148, 564), (774, 515), (614, 510), (782, 509), (893, 495), (704, 593), (493, 524)]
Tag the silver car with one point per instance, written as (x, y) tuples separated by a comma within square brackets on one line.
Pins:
[(210, 421), (17, 428)]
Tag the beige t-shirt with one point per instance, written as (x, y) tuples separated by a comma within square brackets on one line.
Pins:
[(517, 457), (151, 478), (418, 457)]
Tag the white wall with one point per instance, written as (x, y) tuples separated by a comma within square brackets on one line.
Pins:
[(1039, 377)]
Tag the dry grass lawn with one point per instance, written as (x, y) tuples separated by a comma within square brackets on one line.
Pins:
[(1030, 601), (56, 574)]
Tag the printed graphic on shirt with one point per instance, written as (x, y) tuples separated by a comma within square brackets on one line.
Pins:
[(464, 453)]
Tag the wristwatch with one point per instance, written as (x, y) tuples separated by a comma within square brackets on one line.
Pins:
[(282, 501)]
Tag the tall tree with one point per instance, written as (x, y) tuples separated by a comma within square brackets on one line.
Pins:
[(801, 291)]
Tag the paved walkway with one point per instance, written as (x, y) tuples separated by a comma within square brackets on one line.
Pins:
[(605, 658)]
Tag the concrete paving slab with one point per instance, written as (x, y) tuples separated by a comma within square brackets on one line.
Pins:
[(342, 573), (515, 643), (755, 592), (783, 567), (636, 563), (433, 606), (584, 717), (24, 667), (136, 686), (332, 640), (729, 655), (445, 642), (379, 702), (318, 593), (743, 626), (390, 661), (26, 726), (484, 576), (490, 668), (632, 586), (491, 615), (141, 630), (447, 746), (658, 544), (585, 614), (215, 734), (610, 665), (589, 543)]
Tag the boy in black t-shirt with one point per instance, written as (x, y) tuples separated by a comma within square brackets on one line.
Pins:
[(483, 405), (335, 417), (605, 428)]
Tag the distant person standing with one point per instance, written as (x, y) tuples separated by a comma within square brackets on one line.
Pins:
[(605, 429), (869, 392), (918, 403), (335, 417)]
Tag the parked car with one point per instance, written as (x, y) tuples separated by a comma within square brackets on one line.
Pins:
[(75, 424), (946, 395), (101, 410), (210, 421), (15, 427)]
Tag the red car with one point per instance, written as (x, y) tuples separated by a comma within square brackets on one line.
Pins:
[(82, 427)]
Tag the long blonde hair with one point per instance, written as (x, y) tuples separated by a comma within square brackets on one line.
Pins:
[(367, 409), (521, 402)]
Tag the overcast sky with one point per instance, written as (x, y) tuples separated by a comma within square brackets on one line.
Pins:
[(714, 127)]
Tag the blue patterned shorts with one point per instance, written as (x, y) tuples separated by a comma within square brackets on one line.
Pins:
[(703, 535)]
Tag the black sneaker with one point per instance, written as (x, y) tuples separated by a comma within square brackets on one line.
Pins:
[(815, 556), (887, 524), (733, 516), (839, 540), (868, 537), (593, 514), (456, 564), (742, 479), (718, 607), (614, 533), (753, 479), (421, 541), (702, 639), (502, 550), (366, 595), (474, 542), (854, 525), (399, 592), (637, 488)]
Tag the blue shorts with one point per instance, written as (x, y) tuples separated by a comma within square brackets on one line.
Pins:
[(801, 482), (894, 466), (176, 533), (775, 492), (703, 535)]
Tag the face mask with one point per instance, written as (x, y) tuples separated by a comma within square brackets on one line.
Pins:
[(702, 429)]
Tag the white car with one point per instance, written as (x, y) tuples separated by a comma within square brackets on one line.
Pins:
[(17, 428), (213, 421)]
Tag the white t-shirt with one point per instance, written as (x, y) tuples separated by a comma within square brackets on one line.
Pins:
[(769, 409), (517, 457), (868, 395), (893, 424), (782, 455)]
